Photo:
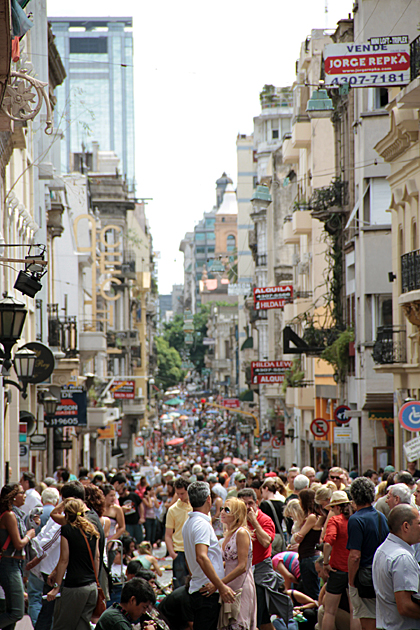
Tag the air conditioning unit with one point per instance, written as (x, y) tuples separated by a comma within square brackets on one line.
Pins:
[(295, 260)]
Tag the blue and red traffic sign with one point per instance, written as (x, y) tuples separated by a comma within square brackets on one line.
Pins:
[(340, 415), (409, 416)]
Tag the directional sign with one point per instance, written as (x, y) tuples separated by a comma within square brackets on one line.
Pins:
[(319, 427), (409, 416), (340, 415)]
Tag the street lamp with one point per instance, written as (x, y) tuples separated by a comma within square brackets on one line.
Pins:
[(319, 105), (12, 320), (24, 364), (50, 403)]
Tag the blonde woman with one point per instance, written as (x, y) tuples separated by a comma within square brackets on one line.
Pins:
[(237, 555), (294, 512), (73, 610)]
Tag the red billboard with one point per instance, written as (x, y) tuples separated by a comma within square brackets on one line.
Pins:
[(272, 297), (232, 403), (269, 371), (123, 390)]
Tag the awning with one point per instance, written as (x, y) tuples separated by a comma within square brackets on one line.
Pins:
[(173, 402), (248, 343), (175, 442), (383, 401)]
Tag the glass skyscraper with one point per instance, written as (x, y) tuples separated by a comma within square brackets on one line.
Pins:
[(96, 102)]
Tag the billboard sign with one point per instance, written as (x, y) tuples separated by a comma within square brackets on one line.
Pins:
[(123, 390), (368, 64), (71, 410), (269, 371), (232, 403), (272, 297)]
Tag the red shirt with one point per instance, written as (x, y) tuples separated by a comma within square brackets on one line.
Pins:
[(336, 536), (260, 553)]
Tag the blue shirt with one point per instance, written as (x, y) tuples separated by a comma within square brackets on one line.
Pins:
[(394, 569), (363, 531)]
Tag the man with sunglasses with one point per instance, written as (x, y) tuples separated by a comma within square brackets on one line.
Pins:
[(336, 475)]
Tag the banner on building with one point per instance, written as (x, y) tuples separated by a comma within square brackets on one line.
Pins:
[(123, 390), (232, 403), (71, 410), (382, 62), (272, 297), (269, 371)]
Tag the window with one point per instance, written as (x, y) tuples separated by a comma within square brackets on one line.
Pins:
[(255, 181), (376, 203), (200, 250), (378, 313), (274, 129), (210, 223), (230, 243), (210, 250), (211, 236), (200, 236), (377, 98), (88, 44)]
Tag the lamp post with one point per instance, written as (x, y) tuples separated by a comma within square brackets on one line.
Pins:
[(24, 364), (12, 320)]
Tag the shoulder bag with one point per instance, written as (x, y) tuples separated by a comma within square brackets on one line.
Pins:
[(100, 602), (363, 580), (278, 545)]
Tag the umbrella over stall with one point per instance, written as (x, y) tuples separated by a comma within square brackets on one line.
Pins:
[(173, 402), (175, 442)]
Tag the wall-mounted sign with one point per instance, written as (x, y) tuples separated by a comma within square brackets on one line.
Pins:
[(269, 371), (409, 416), (122, 390), (107, 433), (272, 297), (232, 403), (38, 442), (343, 435), (44, 364), (367, 64), (72, 409)]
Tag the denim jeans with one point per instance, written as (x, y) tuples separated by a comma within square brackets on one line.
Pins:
[(205, 610), (135, 531), (150, 527), (179, 570), (12, 582), (34, 589), (46, 614), (309, 577)]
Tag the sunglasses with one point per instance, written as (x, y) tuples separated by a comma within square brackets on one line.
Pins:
[(225, 509), (332, 477)]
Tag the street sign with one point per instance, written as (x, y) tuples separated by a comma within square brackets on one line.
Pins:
[(266, 436), (269, 371), (123, 390), (319, 427), (343, 435), (272, 297), (139, 441), (275, 446), (232, 403), (412, 449), (320, 444), (340, 415), (409, 416)]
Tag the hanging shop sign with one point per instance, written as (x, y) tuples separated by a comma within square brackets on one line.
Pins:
[(272, 297), (44, 364), (72, 409), (123, 390), (368, 64), (269, 371)]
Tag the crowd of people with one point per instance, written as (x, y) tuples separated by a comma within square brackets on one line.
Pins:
[(251, 547)]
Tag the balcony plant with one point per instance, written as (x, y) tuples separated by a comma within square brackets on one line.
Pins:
[(293, 376), (337, 354)]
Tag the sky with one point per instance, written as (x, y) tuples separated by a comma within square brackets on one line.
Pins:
[(199, 68)]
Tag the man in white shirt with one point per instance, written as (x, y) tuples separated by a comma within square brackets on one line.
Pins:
[(204, 559), (33, 498)]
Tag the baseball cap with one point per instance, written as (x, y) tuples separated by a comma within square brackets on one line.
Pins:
[(240, 477), (270, 474)]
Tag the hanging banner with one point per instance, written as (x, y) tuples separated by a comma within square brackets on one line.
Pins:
[(368, 64), (269, 371), (272, 297)]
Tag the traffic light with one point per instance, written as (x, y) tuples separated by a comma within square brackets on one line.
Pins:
[(203, 404)]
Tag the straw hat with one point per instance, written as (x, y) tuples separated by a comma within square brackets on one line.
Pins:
[(337, 498)]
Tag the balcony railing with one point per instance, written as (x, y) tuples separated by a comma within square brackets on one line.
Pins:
[(410, 271), (62, 332), (415, 58), (390, 345), (262, 260)]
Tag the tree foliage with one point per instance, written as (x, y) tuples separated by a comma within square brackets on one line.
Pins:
[(169, 364)]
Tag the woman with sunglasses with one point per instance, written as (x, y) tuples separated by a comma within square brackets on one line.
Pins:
[(237, 555), (13, 539)]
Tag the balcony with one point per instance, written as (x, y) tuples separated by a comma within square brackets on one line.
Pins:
[(301, 397), (390, 345), (62, 332), (92, 339), (261, 260), (134, 407), (302, 222), (98, 417), (301, 132), (288, 234)]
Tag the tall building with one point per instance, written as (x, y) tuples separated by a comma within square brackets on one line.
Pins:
[(96, 101)]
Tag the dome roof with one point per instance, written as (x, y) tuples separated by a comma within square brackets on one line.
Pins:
[(229, 204)]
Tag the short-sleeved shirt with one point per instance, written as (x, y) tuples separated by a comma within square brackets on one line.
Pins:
[(290, 560), (363, 531), (336, 535), (260, 553), (79, 569), (175, 519), (198, 530), (394, 570), (133, 501)]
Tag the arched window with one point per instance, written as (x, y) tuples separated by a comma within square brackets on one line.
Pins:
[(231, 243)]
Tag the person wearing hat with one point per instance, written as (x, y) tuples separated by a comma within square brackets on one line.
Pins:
[(336, 556), (239, 481)]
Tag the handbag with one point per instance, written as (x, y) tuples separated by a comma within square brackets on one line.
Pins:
[(278, 545), (101, 600), (229, 612), (363, 580)]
